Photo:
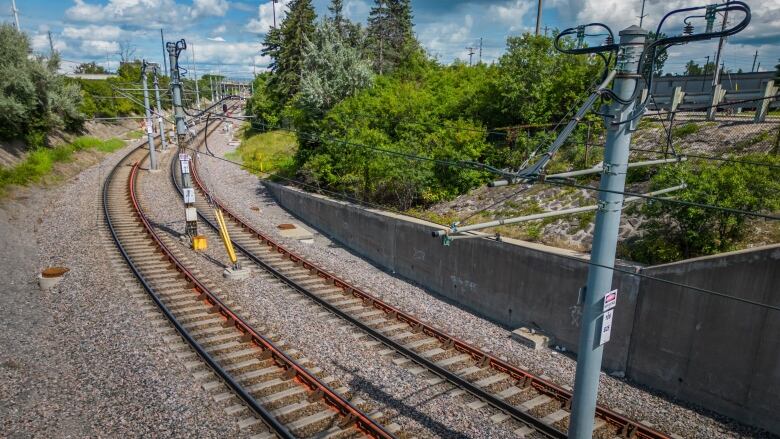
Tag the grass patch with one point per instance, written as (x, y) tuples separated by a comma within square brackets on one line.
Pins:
[(747, 143), (40, 161), (272, 151), (134, 134), (685, 130)]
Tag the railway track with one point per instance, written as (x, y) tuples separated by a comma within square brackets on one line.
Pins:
[(270, 392), (539, 407)]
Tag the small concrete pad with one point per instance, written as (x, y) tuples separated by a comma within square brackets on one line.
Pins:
[(295, 231), (235, 274), (531, 338)]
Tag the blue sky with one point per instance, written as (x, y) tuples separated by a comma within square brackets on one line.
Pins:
[(226, 34)]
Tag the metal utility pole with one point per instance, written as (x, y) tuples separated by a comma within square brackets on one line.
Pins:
[(596, 316), (16, 15), (480, 50), (165, 54), (755, 58), (211, 87), (195, 75), (642, 14), (273, 5), (173, 55), (51, 44), (471, 53), (538, 17), (716, 78), (149, 130), (160, 119)]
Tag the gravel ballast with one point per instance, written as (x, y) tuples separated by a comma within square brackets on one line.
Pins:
[(419, 408), (83, 359), (244, 194)]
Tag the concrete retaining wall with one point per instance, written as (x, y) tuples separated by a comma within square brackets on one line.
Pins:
[(671, 339)]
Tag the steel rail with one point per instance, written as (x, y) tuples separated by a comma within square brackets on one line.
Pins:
[(625, 426), (269, 419), (332, 398)]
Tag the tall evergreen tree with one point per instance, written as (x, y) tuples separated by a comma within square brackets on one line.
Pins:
[(286, 46), (390, 33), (337, 9)]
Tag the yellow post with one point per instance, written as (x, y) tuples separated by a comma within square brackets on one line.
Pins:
[(223, 233)]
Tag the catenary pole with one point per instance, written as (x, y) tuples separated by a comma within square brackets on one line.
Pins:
[(160, 118), (195, 76), (178, 110), (538, 17), (16, 15), (716, 77), (605, 235), (147, 111), (165, 55)]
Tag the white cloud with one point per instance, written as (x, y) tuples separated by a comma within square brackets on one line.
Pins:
[(356, 10), (221, 29), (448, 38), (510, 13), (99, 48), (265, 17), (220, 39), (144, 13), (209, 8), (241, 53), (92, 32), (40, 43)]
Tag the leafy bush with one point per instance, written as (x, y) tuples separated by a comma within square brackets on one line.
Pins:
[(34, 99), (676, 232), (685, 130)]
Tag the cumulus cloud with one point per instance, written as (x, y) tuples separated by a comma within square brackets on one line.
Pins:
[(510, 13), (40, 43), (446, 38), (265, 17), (144, 13), (241, 53), (99, 47), (209, 8), (92, 32), (220, 39)]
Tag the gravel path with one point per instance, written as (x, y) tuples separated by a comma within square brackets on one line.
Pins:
[(243, 192), (82, 360), (419, 408)]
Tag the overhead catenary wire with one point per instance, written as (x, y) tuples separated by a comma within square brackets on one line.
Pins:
[(573, 258), (488, 168)]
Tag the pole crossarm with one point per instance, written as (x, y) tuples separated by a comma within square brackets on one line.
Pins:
[(456, 230)]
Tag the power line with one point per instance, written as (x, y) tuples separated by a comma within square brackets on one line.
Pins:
[(573, 258), (488, 168)]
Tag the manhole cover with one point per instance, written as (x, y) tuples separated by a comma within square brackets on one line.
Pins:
[(54, 271)]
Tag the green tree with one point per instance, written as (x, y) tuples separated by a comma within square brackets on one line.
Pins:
[(332, 70), (390, 35), (693, 68), (90, 68), (535, 83), (286, 48), (676, 232), (34, 98)]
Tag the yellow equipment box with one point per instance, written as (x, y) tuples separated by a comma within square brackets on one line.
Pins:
[(199, 243)]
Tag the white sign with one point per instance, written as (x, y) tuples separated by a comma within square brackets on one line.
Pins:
[(184, 157), (185, 167), (149, 129), (606, 326), (610, 300), (189, 195)]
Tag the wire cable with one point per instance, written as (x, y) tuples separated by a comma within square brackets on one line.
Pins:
[(573, 258)]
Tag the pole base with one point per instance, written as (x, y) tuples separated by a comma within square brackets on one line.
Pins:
[(235, 273)]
